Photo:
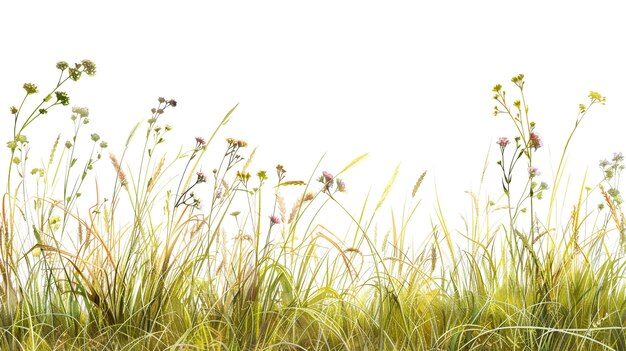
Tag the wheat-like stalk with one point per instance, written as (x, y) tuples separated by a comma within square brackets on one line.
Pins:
[(118, 169), (618, 223), (155, 174), (282, 208), (418, 183)]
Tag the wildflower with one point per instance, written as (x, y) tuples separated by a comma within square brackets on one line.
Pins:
[(62, 98), (168, 127), (68, 144), (327, 177), (75, 74), (262, 175), (242, 175), (535, 141), (95, 137), (533, 171), (280, 171), (30, 88), (308, 196), (604, 163), (241, 143), (618, 157), (21, 138), (594, 95), (161, 100), (200, 141), (62, 65), (81, 111), (503, 142), (13, 110), (172, 102), (103, 144), (89, 67), (274, 220), (201, 177), (38, 171), (341, 186)]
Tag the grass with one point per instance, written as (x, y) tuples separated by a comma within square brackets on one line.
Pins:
[(166, 257)]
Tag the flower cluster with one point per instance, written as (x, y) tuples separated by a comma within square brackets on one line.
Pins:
[(534, 141), (612, 170), (201, 177), (329, 182), (238, 143)]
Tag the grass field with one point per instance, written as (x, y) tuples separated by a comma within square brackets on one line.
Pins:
[(168, 257)]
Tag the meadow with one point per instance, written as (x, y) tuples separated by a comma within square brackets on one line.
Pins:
[(161, 254)]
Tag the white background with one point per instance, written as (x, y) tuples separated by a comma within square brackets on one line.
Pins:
[(407, 81)]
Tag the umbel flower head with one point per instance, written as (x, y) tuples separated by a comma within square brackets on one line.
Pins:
[(30, 88)]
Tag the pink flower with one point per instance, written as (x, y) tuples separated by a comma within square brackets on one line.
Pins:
[(201, 177), (200, 141), (533, 171), (274, 220), (327, 177), (503, 142), (535, 141)]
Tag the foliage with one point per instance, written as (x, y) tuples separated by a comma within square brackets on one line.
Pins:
[(175, 258)]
